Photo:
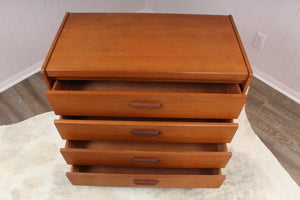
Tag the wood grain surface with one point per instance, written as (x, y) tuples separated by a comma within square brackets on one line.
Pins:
[(47, 79), (133, 177), (167, 131), (89, 100), (145, 86), (282, 116), (172, 46), (166, 155), (273, 116), (247, 82), (24, 100), (276, 120)]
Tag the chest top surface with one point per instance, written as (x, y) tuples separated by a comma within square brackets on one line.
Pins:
[(161, 46)]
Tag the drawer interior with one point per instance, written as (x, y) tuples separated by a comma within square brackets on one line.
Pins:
[(139, 170), (146, 119), (139, 86), (146, 146)]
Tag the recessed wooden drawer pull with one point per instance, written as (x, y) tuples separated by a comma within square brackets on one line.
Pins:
[(145, 105), (145, 160), (145, 132), (145, 182)]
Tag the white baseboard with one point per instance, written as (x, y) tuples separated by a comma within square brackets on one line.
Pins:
[(11, 81), (292, 94), (295, 96)]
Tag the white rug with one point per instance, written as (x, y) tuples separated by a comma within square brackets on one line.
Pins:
[(31, 167)]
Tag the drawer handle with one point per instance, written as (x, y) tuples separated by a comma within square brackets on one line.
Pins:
[(145, 132), (145, 160), (145, 105), (145, 182)]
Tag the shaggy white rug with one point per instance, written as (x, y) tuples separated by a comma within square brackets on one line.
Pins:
[(31, 167)]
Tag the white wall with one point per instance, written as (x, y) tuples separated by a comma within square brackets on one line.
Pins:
[(27, 28)]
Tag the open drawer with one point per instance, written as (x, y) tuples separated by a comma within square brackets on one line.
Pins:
[(145, 177), (146, 130), (142, 154), (146, 99)]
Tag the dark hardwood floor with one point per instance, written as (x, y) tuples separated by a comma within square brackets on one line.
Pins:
[(274, 117), (24, 100), (276, 120)]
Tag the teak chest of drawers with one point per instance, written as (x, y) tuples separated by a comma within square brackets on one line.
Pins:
[(146, 100)]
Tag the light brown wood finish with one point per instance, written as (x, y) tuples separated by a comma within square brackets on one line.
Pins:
[(47, 79), (111, 68), (138, 86), (246, 83), (145, 177), (169, 131), (172, 46), (140, 154), (223, 101), (266, 108), (118, 104)]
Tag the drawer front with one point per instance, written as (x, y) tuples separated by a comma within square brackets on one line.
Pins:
[(146, 131), (147, 179), (158, 156), (139, 104)]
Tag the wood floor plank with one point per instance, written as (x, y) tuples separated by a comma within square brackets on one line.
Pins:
[(30, 91), (15, 106), (276, 120), (24, 100)]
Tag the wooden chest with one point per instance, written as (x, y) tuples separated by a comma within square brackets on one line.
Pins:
[(147, 100)]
